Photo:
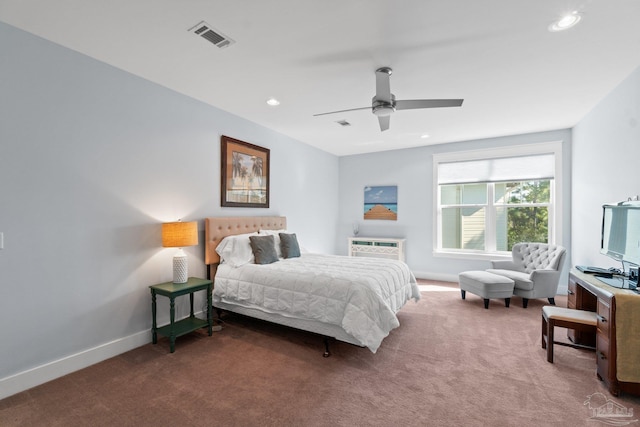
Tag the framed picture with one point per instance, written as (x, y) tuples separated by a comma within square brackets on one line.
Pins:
[(245, 174), (381, 202)]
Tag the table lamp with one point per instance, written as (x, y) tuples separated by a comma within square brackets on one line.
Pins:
[(179, 235)]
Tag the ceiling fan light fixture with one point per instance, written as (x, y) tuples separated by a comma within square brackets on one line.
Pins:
[(566, 22), (384, 110)]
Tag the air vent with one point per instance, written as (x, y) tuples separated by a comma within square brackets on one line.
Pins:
[(212, 35), (343, 123)]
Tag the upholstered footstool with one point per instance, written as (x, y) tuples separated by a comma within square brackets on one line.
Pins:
[(486, 285)]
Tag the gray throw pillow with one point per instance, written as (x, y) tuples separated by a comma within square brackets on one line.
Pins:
[(289, 245), (264, 249)]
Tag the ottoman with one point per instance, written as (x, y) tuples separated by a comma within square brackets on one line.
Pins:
[(486, 285)]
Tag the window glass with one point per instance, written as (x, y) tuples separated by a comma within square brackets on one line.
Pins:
[(463, 228), (450, 194), (463, 194), (523, 192), (522, 224)]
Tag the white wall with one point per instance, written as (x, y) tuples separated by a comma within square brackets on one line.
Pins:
[(606, 167), (412, 171), (92, 160)]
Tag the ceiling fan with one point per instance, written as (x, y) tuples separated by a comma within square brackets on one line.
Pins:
[(384, 103)]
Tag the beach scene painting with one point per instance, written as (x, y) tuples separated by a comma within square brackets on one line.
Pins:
[(381, 202)]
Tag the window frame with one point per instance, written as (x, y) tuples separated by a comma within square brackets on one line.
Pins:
[(490, 252)]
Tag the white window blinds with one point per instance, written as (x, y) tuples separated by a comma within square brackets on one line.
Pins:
[(521, 168)]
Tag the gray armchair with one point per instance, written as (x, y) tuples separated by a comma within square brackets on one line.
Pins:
[(535, 268)]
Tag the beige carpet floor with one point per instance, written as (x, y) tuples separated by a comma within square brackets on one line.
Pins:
[(450, 363)]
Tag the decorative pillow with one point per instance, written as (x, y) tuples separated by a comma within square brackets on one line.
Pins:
[(236, 250), (289, 245), (276, 237), (264, 250)]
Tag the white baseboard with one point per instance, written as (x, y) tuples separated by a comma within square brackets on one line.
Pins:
[(442, 277), (41, 374)]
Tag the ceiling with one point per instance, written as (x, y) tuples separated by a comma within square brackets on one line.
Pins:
[(316, 56)]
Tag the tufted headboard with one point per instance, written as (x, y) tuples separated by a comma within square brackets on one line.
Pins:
[(217, 228)]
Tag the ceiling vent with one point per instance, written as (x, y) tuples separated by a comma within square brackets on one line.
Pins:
[(212, 35)]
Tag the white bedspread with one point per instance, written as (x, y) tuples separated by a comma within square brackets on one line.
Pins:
[(362, 295)]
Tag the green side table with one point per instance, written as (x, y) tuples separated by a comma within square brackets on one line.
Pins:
[(172, 290)]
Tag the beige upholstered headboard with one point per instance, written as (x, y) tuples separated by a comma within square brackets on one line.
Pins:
[(216, 229)]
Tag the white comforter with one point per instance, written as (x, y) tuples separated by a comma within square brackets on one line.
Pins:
[(362, 295)]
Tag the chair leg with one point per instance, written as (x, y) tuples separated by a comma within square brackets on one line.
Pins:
[(506, 302), (464, 293), (552, 301), (550, 338), (525, 301), (544, 332), (486, 303)]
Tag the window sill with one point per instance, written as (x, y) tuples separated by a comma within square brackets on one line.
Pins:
[(471, 255)]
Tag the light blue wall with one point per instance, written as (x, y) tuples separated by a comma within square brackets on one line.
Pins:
[(412, 171), (92, 160), (606, 166)]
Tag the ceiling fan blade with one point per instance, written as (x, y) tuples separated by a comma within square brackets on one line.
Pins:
[(383, 86), (342, 111), (384, 122), (412, 104)]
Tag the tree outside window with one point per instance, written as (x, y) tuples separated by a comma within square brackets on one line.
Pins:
[(526, 205)]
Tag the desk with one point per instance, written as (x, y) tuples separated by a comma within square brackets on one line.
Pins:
[(617, 336), (175, 329)]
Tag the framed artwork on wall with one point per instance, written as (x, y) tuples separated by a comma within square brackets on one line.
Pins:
[(381, 202), (245, 174)]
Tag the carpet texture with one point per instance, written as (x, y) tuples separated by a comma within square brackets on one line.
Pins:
[(450, 363)]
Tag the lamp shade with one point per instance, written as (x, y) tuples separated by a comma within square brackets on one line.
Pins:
[(179, 234)]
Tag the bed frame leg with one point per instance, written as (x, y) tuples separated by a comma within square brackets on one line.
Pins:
[(326, 353)]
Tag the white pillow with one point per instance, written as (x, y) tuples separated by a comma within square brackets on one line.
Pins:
[(276, 238), (236, 250)]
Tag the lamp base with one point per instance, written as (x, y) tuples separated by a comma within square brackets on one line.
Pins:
[(180, 267)]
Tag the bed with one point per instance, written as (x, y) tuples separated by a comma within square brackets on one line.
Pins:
[(350, 299)]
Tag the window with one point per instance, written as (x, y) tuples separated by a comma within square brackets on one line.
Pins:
[(488, 200)]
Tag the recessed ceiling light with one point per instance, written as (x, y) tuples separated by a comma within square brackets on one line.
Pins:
[(424, 136), (566, 22), (273, 102)]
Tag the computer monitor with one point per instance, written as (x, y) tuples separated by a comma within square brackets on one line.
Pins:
[(620, 238)]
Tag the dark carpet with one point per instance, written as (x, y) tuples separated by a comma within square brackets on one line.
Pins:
[(450, 363)]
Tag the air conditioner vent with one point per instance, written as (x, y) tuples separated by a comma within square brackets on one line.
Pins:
[(212, 35)]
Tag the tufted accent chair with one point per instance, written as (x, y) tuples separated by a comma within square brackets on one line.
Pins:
[(535, 268)]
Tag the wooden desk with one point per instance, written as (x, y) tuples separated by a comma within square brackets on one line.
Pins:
[(588, 293)]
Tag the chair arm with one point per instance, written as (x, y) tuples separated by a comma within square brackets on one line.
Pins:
[(504, 264), (546, 279)]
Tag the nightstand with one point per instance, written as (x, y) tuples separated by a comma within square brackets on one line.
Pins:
[(172, 290)]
